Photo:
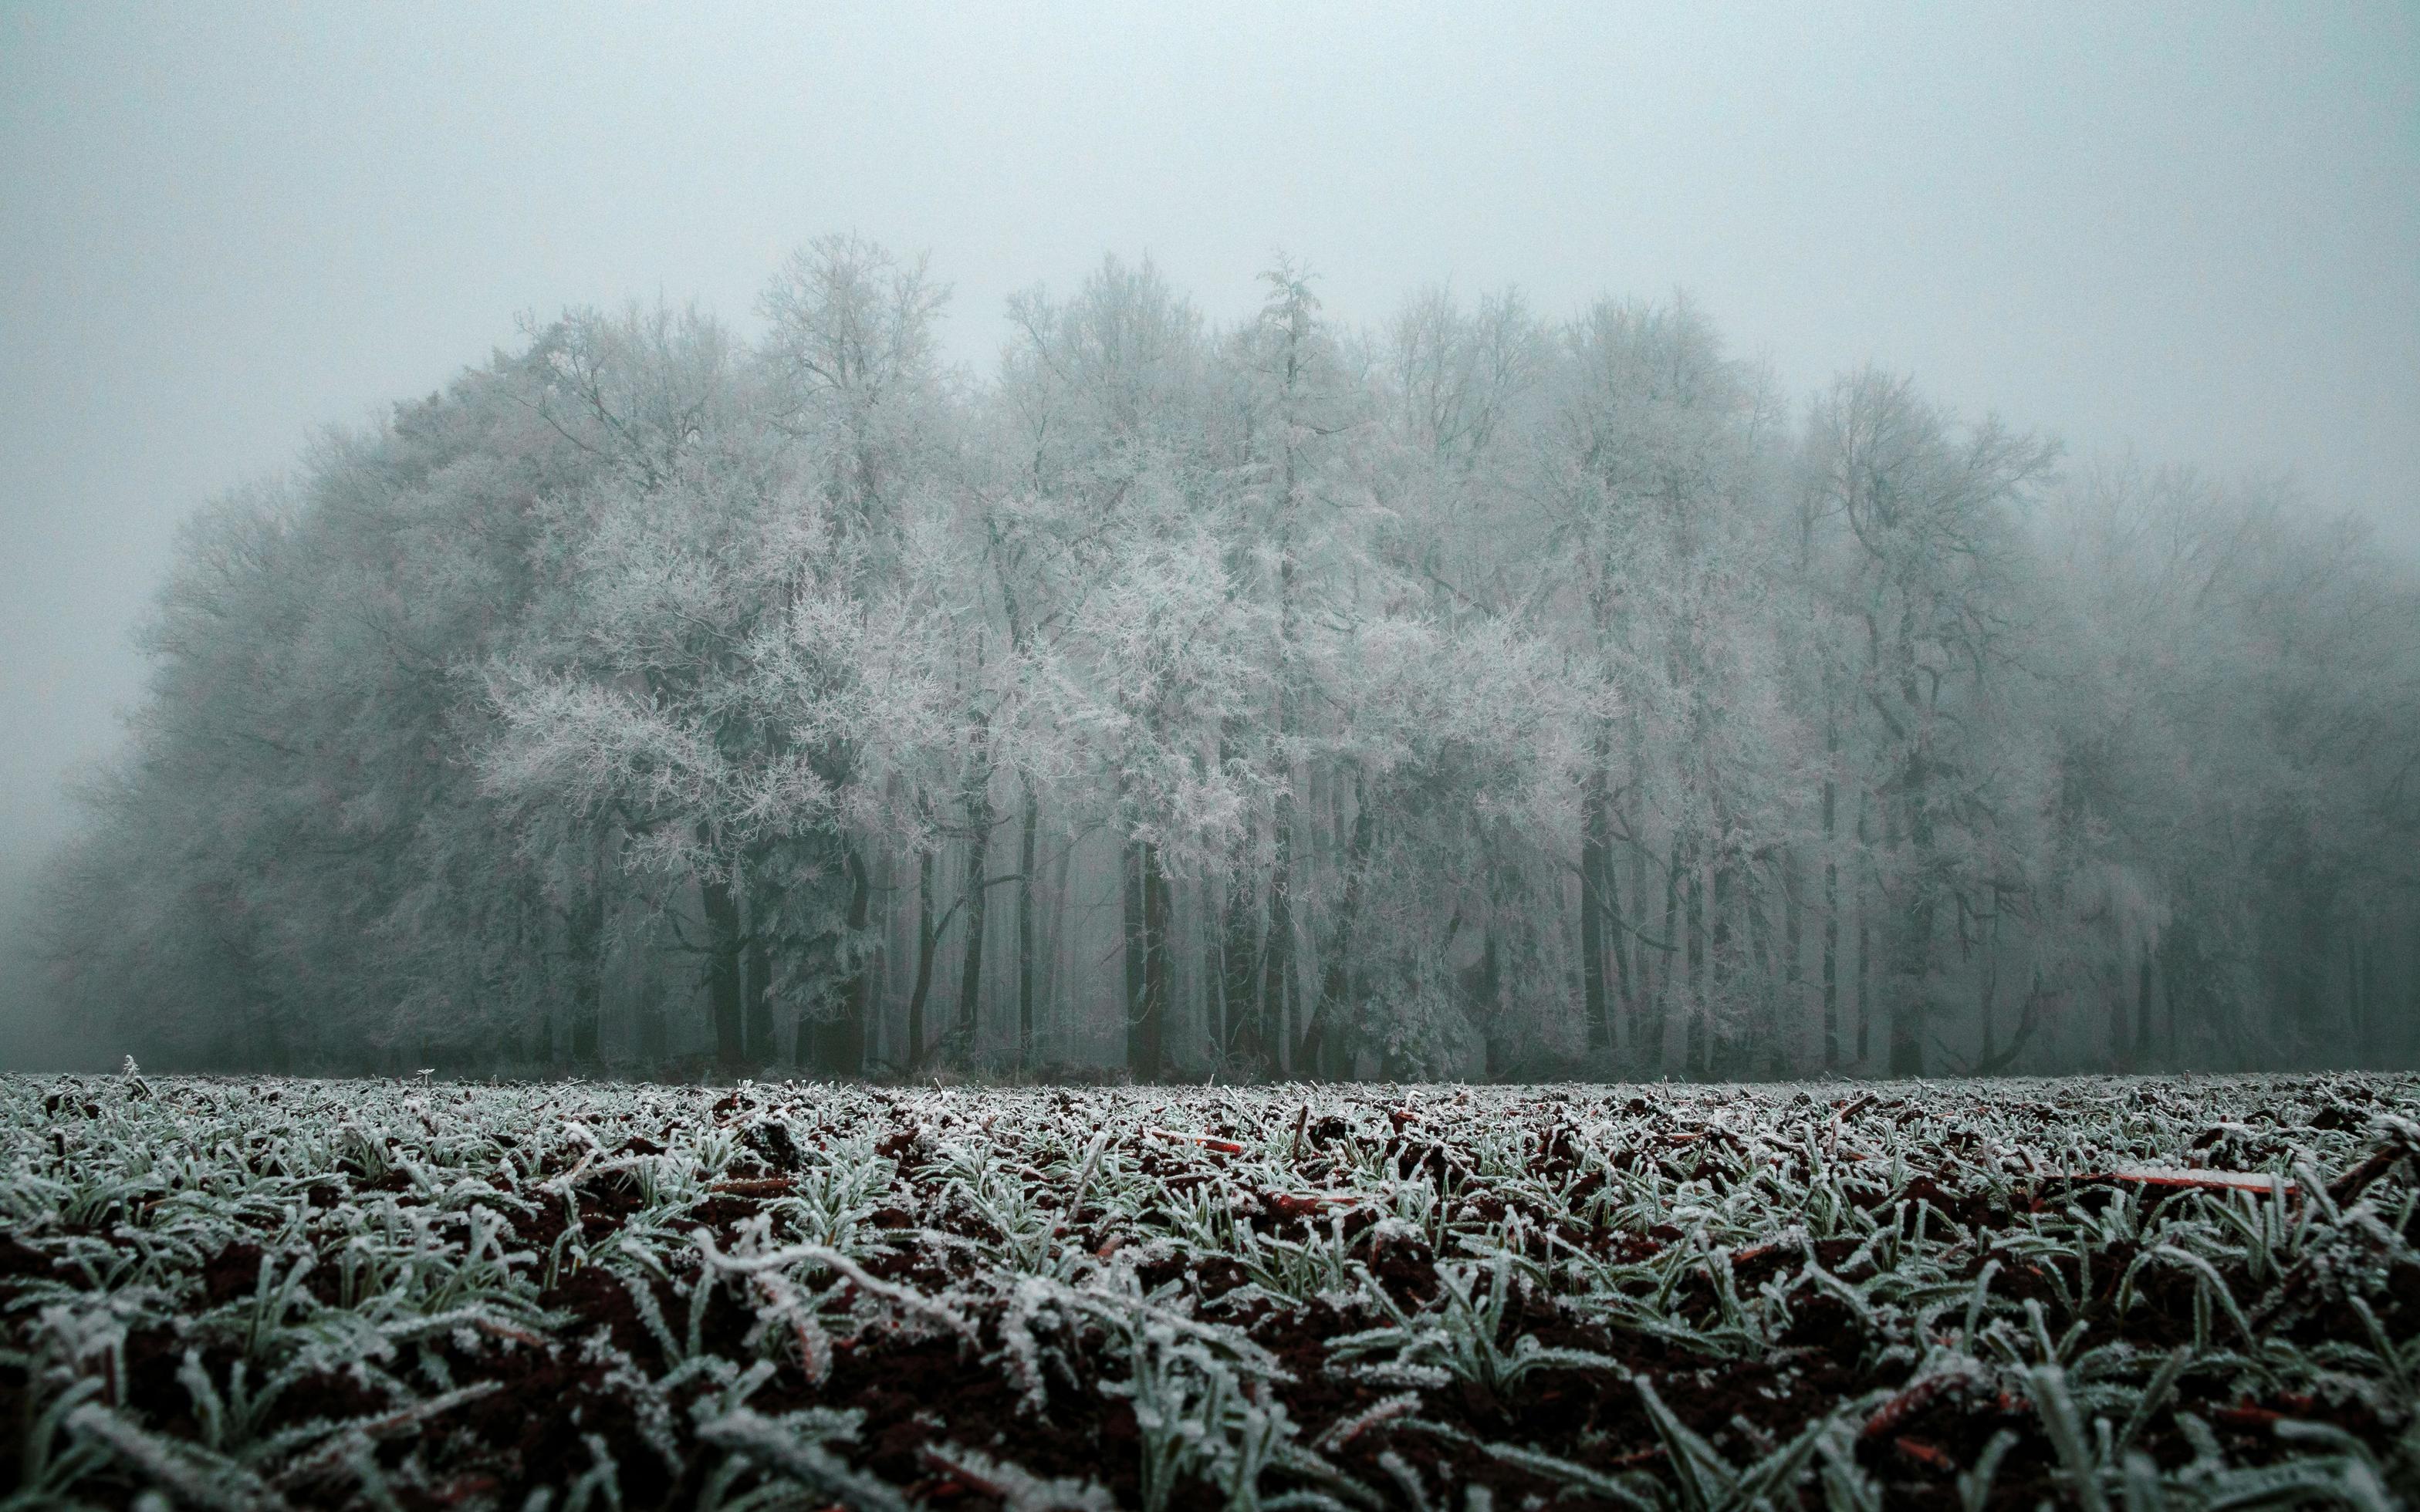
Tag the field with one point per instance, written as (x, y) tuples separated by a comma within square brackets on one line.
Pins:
[(2184, 1293)]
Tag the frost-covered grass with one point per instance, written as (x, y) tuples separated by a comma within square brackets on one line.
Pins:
[(267, 1292)]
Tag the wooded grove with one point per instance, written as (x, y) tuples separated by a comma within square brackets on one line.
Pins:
[(1484, 694)]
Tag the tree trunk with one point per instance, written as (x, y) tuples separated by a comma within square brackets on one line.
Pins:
[(1616, 929), (1722, 1040), (756, 982), (1146, 1030), (1765, 1053), (1489, 990), (2143, 1051), (2173, 955), (1865, 943), (1487, 987), (1058, 977), (586, 931), (1240, 1018), (757, 986), (840, 1043), (1159, 964), (1642, 977), (1025, 862), (1327, 1045), (1793, 938), (2374, 1036), (720, 905), (2410, 992), (926, 939), (1137, 941), (1238, 976), (1642, 980), (978, 822), (1831, 919), (1595, 871), (1987, 1009), (1276, 957), (1694, 902), (1651, 1061), (1216, 1032), (1915, 955)]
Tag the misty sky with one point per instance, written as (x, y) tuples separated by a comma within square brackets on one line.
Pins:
[(2193, 229)]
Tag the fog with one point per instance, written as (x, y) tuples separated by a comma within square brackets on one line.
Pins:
[(2188, 236)]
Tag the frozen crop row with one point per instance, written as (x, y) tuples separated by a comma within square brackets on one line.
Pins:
[(2186, 1293)]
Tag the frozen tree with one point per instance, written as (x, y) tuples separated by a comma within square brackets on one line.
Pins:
[(1927, 586), (1481, 694), (702, 681)]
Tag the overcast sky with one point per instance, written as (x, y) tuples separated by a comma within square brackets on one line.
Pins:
[(2193, 229)]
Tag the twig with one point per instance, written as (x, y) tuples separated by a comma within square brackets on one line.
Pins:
[(1224, 1146)]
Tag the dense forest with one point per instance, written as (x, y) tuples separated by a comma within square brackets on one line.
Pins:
[(1484, 694)]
